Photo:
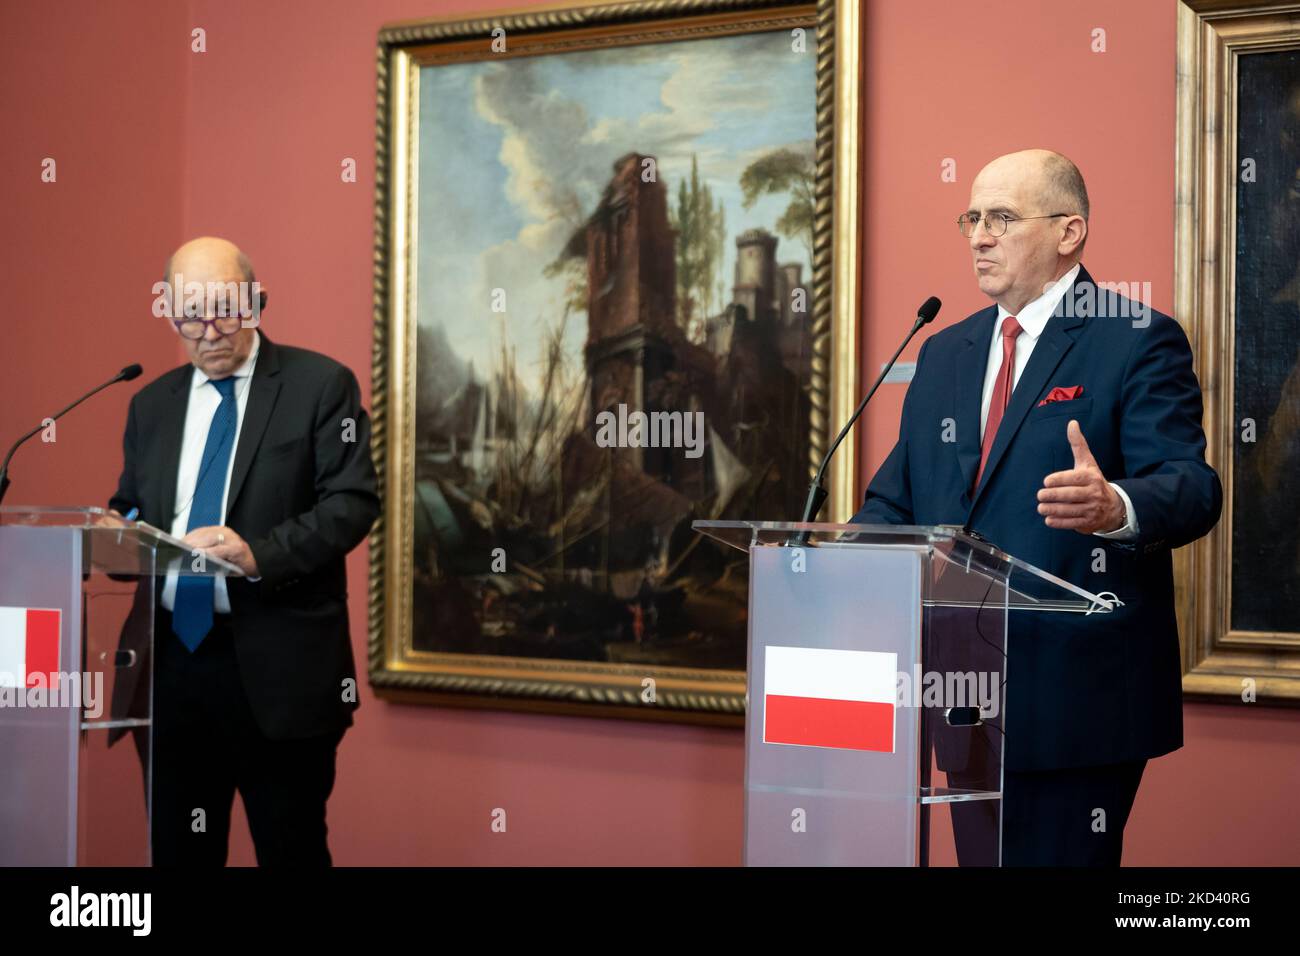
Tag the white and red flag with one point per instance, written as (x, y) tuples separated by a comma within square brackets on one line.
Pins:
[(819, 697), (29, 644)]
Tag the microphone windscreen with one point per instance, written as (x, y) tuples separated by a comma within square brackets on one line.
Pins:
[(130, 372), (929, 309)]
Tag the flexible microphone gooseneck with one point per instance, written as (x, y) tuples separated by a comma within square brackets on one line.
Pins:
[(817, 490), (126, 375)]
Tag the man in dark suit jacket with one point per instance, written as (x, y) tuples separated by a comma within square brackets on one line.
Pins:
[(259, 454), (1063, 424)]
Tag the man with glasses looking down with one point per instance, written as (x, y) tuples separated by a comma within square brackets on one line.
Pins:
[(259, 454), (1063, 424)]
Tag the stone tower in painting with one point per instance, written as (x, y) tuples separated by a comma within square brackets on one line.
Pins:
[(631, 265), (755, 284), (636, 354)]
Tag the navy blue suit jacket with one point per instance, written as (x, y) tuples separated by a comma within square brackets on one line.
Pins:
[(1081, 690)]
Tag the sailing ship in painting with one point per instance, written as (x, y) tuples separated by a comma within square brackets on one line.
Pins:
[(535, 541)]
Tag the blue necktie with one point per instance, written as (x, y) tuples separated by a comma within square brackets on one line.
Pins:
[(192, 608)]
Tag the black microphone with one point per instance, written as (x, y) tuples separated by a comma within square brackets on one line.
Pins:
[(126, 375), (817, 491)]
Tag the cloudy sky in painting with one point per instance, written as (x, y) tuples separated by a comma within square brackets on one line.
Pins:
[(514, 155)]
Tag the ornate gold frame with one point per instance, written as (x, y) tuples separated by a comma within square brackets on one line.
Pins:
[(398, 672), (1212, 34)]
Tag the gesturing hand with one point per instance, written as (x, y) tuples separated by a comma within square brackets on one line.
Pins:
[(1080, 499), (224, 543)]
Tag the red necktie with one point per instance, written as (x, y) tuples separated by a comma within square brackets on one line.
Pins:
[(1001, 391)]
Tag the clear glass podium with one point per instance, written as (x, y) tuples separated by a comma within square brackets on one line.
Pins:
[(876, 694), (77, 590)]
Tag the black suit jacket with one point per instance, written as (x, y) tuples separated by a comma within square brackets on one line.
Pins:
[(1081, 691), (302, 494)]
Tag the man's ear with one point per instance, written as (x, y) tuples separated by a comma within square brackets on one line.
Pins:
[(1076, 231), (261, 300)]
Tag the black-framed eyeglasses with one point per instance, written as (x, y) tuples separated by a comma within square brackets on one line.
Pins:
[(995, 223), (193, 327)]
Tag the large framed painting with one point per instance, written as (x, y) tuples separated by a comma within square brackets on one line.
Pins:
[(1238, 291), (615, 292)]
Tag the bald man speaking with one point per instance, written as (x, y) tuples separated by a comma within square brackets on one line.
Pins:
[(260, 454), (1079, 449)]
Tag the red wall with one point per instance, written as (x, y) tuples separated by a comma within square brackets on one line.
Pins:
[(157, 143), (100, 89), (970, 81)]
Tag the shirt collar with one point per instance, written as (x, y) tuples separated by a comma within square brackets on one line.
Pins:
[(199, 379), (1033, 317)]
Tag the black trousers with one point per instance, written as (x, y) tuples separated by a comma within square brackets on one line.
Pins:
[(207, 745), (1072, 817)]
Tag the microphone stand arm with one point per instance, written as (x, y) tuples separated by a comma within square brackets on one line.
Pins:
[(817, 490), (4, 469)]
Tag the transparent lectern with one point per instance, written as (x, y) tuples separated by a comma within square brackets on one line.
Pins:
[(876, 694), (76, 638)]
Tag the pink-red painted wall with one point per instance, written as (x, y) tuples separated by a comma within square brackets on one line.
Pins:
[(100, 90), (156, 143), (968, 82)]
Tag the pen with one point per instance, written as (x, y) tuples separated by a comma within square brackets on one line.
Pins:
[(129, 516)]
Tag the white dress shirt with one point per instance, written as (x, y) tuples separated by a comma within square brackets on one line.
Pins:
[(203, 404), (1033, 319)]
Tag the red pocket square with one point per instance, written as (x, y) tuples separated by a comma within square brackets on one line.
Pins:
[(1059, 394)]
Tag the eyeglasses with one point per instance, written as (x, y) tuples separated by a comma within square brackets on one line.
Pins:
[(193, 327), (995, 223)]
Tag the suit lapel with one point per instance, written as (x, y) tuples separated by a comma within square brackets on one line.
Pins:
[(1057, 339), (261, 400), (172, 431), (972, 360)]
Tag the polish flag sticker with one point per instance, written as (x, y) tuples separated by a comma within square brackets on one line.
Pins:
[(815, 697)]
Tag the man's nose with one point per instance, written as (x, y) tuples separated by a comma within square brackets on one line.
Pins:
[(980, 238), (210, 333)]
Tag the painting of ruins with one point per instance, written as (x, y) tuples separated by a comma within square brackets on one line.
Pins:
[(610, 299)]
